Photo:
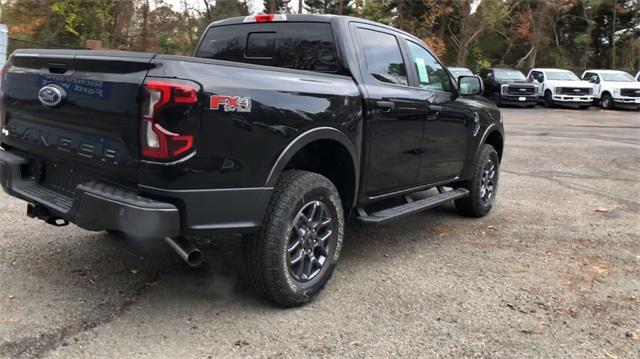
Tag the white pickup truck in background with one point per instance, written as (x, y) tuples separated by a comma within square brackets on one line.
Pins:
[(614, 88), (562, 87)]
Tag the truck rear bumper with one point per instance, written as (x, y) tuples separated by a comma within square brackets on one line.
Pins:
[(144, 211), (93, 205)]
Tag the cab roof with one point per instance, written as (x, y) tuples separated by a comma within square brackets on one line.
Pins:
[(604, 71), (328, 18), (549, 69)]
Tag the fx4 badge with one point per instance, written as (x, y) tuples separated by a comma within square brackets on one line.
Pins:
[(231, 103)]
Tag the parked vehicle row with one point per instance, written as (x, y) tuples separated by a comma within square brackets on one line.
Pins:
[(558, 87)]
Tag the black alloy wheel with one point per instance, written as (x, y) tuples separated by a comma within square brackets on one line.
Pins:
[(488, 181), (309, 241)]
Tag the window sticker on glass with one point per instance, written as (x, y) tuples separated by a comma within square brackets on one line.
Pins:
[(422, 71)]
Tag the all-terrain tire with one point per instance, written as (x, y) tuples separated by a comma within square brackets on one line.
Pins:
[(477, 204), (268, 253), (606, 101), (497, 99), (548, 99)]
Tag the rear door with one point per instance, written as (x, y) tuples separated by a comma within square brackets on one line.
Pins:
[(395, 112), (75, 110)]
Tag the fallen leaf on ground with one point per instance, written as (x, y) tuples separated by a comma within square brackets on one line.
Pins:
[(601, 209), (241, 343)]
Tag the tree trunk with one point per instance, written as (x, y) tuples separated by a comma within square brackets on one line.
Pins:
[(116, 27), (145, 25), (613, 37), (463, 44)]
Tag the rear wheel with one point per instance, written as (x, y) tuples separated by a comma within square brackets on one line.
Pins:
[(548, 99), (606, 101), (295, 253), (482, 186)]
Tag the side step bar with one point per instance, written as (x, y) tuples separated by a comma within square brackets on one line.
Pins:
[(410, 207)]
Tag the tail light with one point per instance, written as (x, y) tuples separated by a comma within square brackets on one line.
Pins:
[(159, 97)]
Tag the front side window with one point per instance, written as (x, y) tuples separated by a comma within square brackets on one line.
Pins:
[(383, 56), (431, 74), (591, 77), (537, 76)]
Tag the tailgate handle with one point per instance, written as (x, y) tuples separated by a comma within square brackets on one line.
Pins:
[(57, 68)]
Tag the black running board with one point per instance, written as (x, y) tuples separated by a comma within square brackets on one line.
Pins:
[(410, 207)]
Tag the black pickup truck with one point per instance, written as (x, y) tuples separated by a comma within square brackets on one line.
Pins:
[(505, 86), (281, 127)]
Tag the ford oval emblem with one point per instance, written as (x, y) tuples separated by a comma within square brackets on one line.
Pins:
[(52, 95)]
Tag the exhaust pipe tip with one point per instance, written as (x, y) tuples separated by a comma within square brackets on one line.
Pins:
[(195, 258), (186, 250)]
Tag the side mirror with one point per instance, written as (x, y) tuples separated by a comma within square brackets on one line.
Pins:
[(594, 79), (470, 85)]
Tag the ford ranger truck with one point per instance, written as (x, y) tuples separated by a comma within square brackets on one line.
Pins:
[(562, 87), (280, 127), (505, 86), (613, 88)]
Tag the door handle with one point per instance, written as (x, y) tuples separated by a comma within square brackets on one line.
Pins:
[(434, 112), (387, 105)]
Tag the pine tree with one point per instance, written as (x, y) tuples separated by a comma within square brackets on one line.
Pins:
[(339, 7), (276, 6)]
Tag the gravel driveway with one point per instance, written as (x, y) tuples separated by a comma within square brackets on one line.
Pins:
[(553, 271)]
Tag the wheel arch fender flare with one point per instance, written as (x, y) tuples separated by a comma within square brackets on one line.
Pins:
[(307, 137), (493, 128)]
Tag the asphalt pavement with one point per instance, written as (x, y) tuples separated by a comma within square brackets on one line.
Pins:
[(553, 271)]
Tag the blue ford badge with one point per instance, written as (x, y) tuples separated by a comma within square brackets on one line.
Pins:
[(52, 95)]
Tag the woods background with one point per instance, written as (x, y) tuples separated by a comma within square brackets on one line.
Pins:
[(574, 34)]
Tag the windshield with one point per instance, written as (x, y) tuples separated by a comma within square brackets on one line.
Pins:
[(508, 75), (617, 76), (457, 72), (562, 75)]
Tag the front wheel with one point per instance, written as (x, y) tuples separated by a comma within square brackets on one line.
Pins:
[(548, 99), (497, 99), (482, 186), (295, 252), (607, 101)]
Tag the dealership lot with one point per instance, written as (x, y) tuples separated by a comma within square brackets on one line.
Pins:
[(554, 270)]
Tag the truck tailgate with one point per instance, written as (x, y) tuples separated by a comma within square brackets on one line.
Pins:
[(75, 109)]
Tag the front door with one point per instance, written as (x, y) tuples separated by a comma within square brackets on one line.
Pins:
[(449, 123), (395, 112)]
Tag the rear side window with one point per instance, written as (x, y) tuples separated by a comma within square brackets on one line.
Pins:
[(302, 46), (383, 56)]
